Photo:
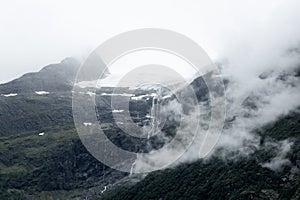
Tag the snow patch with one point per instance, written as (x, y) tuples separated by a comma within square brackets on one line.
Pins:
[(41, 92), (137, 98), (41, 134), (145, 96), (117, 111), (124, 94), (10, 95), (87, 124)]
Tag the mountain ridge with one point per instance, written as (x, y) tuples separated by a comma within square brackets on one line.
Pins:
[(51, 78)]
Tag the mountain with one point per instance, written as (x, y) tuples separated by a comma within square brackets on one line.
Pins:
[(52, 78), (37, 101), (42, 156), (41, 153)]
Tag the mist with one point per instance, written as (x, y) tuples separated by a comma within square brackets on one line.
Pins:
[(261, 64), (34, 33)]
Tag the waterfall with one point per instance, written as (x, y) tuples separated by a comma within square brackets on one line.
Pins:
[(154, 112), (105, 188), (152, 118), (131, 169)]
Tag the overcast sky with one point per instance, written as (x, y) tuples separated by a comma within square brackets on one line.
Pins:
[(35, 33)]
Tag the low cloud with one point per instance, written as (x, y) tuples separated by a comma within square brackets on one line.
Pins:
[(278, 162), (262, 73)]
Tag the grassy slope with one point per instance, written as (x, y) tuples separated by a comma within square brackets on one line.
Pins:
[(53, 165)]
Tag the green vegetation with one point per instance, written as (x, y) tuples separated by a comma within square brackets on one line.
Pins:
[(53, 166), (35, 113), (242, 178), (216, 179)]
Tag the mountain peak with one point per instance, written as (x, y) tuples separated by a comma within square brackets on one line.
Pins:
[(53, 77)]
